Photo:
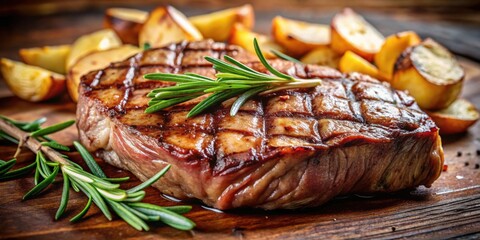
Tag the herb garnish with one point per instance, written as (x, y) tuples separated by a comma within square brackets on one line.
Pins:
[(103, 191), (234, 79)]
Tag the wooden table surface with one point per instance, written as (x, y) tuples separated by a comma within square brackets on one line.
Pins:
[(450, 208)]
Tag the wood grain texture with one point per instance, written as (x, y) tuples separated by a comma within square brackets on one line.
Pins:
[(451, 208)]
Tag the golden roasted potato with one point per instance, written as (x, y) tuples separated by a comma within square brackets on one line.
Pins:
[(351, 32), (126, 22), (243, 37), (52, 58), (456, 118), (351, 62), (391, 49), (95, 61), (430, 73), (167, 25), (31, 83), (97, 41), (218, 25), (324, 56), (299, 37)]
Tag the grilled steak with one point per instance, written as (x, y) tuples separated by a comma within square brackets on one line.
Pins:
[(298, 148)]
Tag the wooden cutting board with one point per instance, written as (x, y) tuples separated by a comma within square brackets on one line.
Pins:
[(450, 208)]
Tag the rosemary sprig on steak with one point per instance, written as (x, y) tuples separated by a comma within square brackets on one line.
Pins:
[(234, 79), (103, 191)]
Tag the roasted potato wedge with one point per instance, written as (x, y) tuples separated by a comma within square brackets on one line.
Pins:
[(167, 25), (299, 37), (243, 37), (31, 83), (391, 49), (218, 25), (351, 62), (95, 61), (351, 32), (456, 118), (126, 22), (97, 41), (324, 56), (52, 58), (430, 73)]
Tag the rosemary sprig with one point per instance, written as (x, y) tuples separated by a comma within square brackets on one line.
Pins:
[(104, 192), (234, 79)]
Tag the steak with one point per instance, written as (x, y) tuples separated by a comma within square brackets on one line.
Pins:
[(290, 149)]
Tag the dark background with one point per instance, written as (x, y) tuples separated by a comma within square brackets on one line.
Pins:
[(442, 19)]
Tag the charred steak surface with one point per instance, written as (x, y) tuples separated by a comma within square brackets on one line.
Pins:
[(298, 148)]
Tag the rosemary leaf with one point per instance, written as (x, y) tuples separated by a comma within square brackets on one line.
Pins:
[(37, 176), (244, 97), (52, 129), (65, 193), (136, 212), (167, 103), (129, 217), (285, 56), (73, 163), (74, 186), (33, 126), (114, 195), (212, 100), (97, 199), (149, 181), (102, 184), (83, 212), (117, 180), (18, 172), (168, 217), (91, 163), (135, 197), (7, 166), (43, 165), (77, 173), (182, 209), (176, 94), (56, 146), (267, 65), (42, 185), (239, 64), (8, 137)]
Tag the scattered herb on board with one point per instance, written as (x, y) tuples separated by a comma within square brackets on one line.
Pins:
[(234, 79), (102, 191)]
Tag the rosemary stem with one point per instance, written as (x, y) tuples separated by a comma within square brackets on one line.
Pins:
[(31, 142)]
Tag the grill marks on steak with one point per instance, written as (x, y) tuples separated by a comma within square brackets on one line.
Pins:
[(289, 149)]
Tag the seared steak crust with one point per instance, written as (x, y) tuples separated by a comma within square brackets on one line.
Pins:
[(352, 134)]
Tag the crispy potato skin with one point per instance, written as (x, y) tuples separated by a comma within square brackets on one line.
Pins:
[(284, 32), (243, 37), (126, 29), (351, 62), (392, 48), (52, 58), (31, 83), (218, 25), (342, 43), (96, 41), (167, 25), (428, 95), (457, 118), (324, 56)]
